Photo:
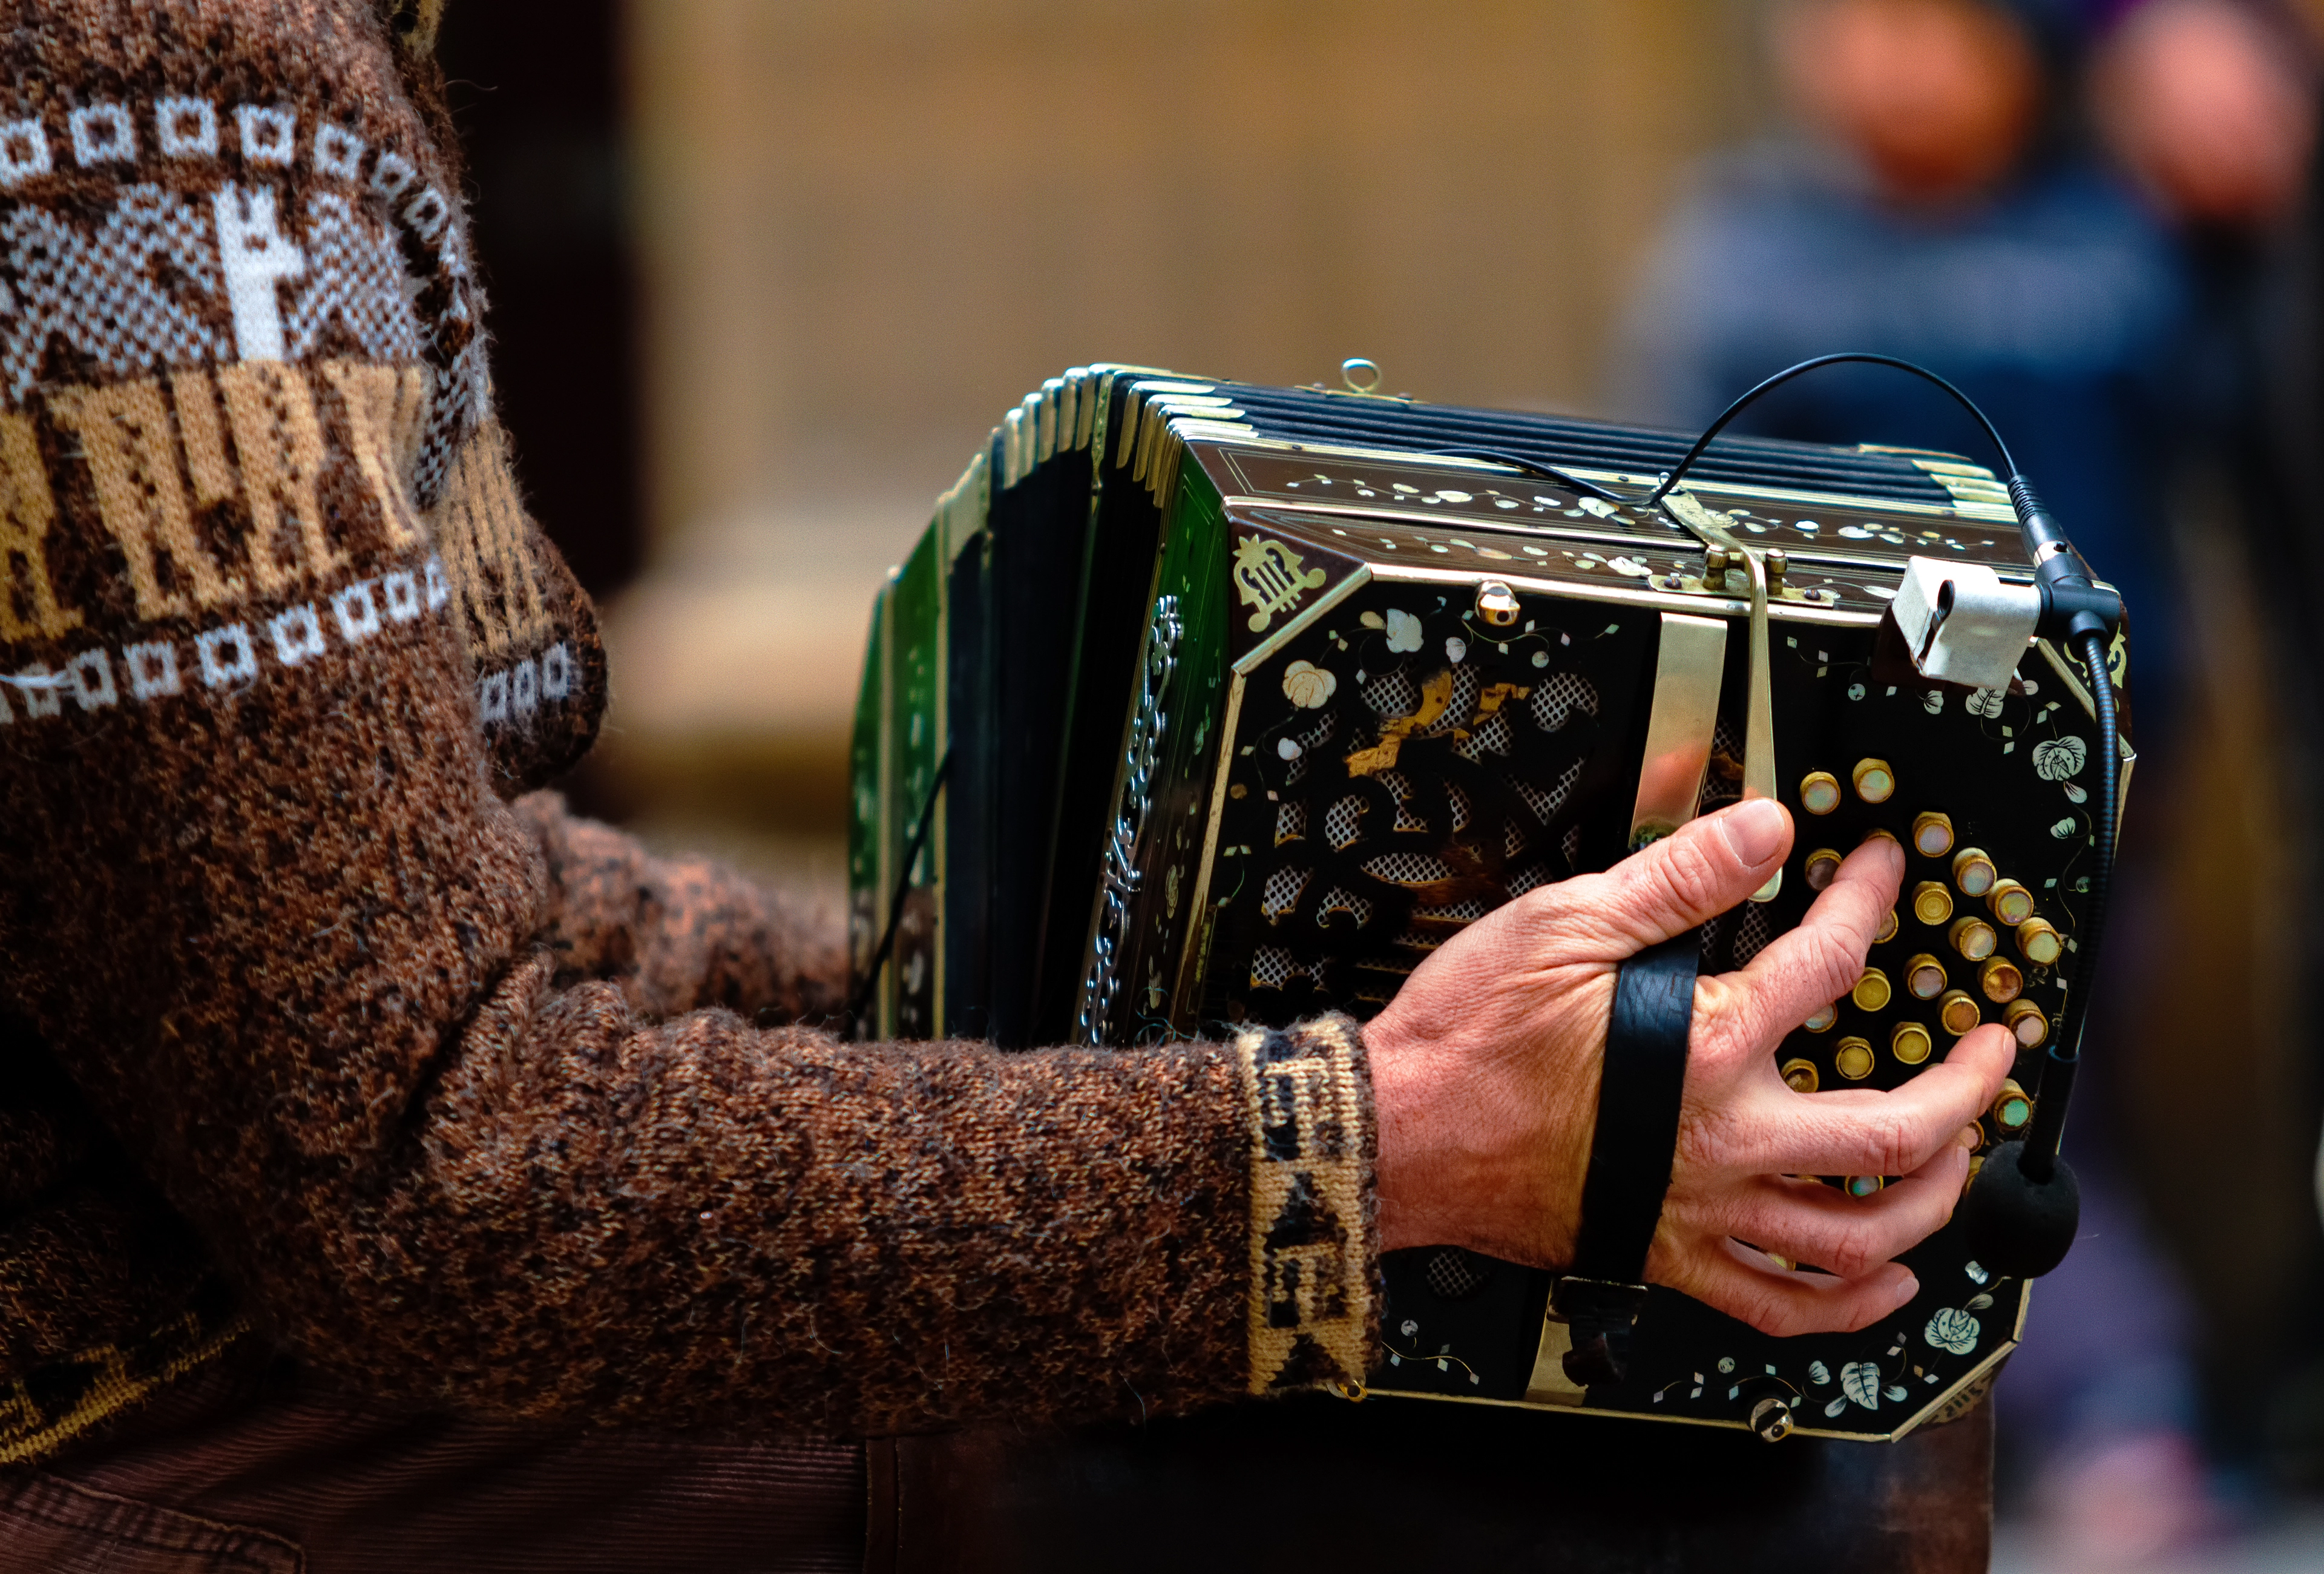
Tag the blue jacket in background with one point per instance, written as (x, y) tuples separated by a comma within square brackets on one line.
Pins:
[(2058, 304)]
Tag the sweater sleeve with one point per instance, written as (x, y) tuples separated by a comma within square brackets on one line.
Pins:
[(679, 933), (456, 1092)]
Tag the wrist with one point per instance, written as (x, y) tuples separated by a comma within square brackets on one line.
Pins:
[(1400, 1109), (1474, 1151), (1430, 1180)]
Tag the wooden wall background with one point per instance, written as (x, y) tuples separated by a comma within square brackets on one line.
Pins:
[(868, 227)]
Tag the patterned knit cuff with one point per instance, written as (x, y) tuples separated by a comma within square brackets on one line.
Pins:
[(1313, 1245)]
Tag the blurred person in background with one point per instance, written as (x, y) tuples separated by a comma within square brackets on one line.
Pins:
[(1941, 202), (2210, 108), (2209, 105), (1934, 208)]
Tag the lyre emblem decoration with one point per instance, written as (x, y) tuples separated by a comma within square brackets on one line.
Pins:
[(1266, 575)]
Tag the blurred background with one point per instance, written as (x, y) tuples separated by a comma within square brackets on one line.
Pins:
[(765, 272)]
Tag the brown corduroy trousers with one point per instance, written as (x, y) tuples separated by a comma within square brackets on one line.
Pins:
[(247, 1466), (248, 1469)]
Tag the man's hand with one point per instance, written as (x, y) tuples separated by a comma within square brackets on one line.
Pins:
[(1486, 1065)]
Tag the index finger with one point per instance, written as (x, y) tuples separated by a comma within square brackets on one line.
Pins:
[(1797, 974)]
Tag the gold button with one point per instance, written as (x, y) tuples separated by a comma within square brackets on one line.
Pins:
[(1822, 865), (2001, 981), (1931, 903), (2010, 902), (1871, 992), (1933, 835), (1820, 793), (2029, 1023), (1822, 1020), (2013, 1112), (1910, 1042), (1973, 872), (1972, 1136), (1959, 1013), (1864, 1185), (1875, 781), (1852, 1059), (1925, 978), (1973, 938), (1800, 1076), (1888, 926), (2039, 943)]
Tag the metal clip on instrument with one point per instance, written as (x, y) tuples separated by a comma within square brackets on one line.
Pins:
[(1759, 705)]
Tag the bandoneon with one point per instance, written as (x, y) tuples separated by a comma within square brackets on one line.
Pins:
[(1202, 705)]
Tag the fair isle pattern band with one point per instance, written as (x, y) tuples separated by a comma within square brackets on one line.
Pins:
[(56, 1404), (1310, 1281), (192, 262)]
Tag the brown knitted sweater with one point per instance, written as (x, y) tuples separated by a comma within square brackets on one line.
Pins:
[(305, 1028)]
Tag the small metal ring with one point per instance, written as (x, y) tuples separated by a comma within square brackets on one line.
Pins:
[(1350, 368)]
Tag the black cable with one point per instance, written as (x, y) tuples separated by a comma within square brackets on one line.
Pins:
[(2049, 1129), (1546, 472), (863, 995), (1788, 373)]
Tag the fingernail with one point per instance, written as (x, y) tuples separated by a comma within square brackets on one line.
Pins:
[(1906, 1290), (1757, 830)]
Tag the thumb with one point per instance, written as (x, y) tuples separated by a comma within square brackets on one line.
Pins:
[(1708, 866)]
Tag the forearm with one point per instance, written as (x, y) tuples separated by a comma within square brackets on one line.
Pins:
[(716, 1225), (436, 1173), (676, 934)]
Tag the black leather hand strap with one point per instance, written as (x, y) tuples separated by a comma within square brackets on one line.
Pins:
[(1630, 1155)]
